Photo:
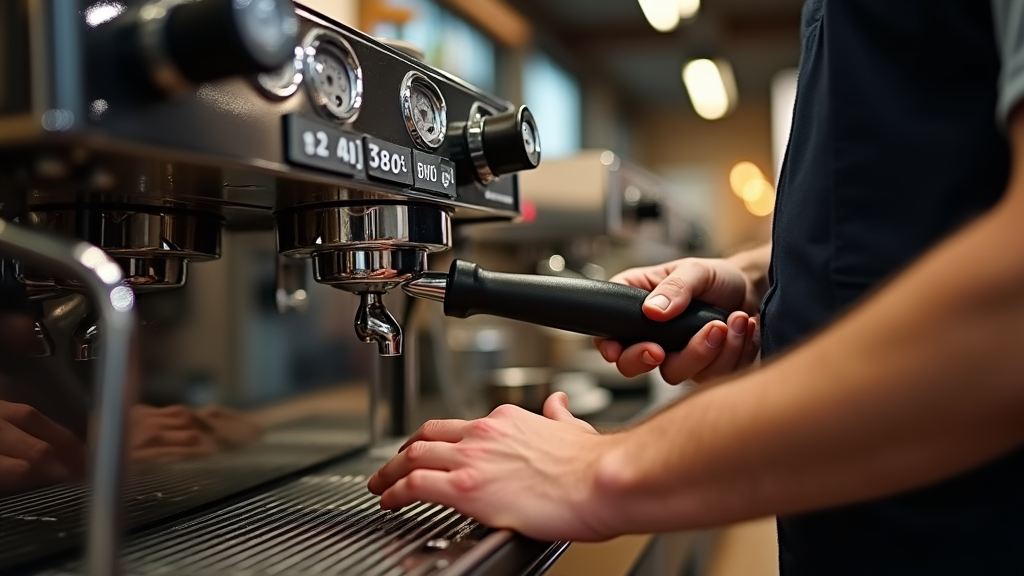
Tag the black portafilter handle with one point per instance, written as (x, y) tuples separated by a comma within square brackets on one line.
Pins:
[(603, 309)]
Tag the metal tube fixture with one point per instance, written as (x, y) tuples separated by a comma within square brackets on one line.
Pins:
[(115, 305)]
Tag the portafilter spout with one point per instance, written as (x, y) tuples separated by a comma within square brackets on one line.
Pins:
[(374, 323)]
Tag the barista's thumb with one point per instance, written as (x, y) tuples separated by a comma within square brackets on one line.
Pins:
[(556, 407), (673, 294)]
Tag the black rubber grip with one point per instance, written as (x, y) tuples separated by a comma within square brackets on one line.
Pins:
[(591, 307)]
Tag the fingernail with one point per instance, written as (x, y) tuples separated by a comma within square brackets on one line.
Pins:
[(605, 353), (739, 325), (716, 336), (648, 359), (660, 301)]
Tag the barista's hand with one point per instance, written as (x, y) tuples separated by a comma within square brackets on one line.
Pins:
[(717, 349), (513, 469), (17, 332), (169, 433), (231, 428), (35, 451)]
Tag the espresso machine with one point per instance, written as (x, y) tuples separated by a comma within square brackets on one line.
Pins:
[(133, 135)]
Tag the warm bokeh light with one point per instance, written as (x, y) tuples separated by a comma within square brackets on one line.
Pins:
[(662, 15), (764, 204), (742, 173), (748, 182), (688, 8), (756, 189), (707, 85)]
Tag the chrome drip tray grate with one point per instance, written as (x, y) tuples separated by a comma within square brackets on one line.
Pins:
[(322, 524), (42, 523)]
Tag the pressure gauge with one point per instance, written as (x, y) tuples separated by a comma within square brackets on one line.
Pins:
[(426, 115), (284, 81), (333, 76)]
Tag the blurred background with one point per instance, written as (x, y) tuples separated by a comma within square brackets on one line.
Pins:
[(687, 88)]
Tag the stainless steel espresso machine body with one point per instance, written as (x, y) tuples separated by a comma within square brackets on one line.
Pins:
[(132, 135)]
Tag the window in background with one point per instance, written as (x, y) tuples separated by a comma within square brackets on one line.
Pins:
[(554, 97), (783, 102), (450, 43)]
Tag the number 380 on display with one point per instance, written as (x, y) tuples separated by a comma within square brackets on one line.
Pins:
[(386, 161)]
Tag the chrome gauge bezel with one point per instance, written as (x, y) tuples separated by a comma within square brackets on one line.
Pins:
[(322, 40), (270, 82), (416, 80)]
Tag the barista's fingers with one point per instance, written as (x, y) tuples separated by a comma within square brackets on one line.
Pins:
[(418, 456), (172, 453), (640, 358), (701, 351), (752, 346), (41, 459), (434, 486), (610, 350), (556, 407), (64, 446), (731, 349), (179, 438), (439, 431), (15, 475)]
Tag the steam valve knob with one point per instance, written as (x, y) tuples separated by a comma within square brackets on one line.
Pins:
[(185, 43), (503, 143)]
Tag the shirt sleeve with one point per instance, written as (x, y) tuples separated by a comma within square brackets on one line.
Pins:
[(1008, 16)]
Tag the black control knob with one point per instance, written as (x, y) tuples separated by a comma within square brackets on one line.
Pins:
[(186, 43), (503, 143)]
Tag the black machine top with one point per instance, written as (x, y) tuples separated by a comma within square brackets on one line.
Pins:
[(260, 105)]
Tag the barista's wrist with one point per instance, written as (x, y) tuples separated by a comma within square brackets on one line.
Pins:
[(754, 266), (618, 487)]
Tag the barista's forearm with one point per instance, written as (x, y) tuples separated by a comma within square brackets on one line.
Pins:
[(921, 382), (754, 264)]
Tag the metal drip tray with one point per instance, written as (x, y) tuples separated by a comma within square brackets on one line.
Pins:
[(41, 524), (322, 524)]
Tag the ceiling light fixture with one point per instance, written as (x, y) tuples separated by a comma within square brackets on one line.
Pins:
[(688, 8), (711, 87), (662, 15)]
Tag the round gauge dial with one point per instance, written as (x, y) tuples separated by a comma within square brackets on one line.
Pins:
[(426, 115), (284, 81), (333, 76)]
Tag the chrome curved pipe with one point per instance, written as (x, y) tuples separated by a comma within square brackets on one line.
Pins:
[(115, 305), (374, 323)]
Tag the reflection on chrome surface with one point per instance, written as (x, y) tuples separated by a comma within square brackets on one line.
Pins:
[(231, 395)]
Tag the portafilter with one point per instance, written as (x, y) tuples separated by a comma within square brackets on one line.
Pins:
[(602, 309)]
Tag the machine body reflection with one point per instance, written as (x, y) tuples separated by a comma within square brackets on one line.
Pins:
[(166, 372)]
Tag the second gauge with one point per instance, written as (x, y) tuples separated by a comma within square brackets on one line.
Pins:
[(426, 115)]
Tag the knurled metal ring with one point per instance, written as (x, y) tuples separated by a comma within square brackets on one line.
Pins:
[(475, 143)]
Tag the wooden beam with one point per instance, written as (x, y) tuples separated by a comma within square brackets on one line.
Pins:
[(373, 12), (729, 31), (497, 19)]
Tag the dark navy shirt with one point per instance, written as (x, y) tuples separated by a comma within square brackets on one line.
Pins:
[(897, 141)]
